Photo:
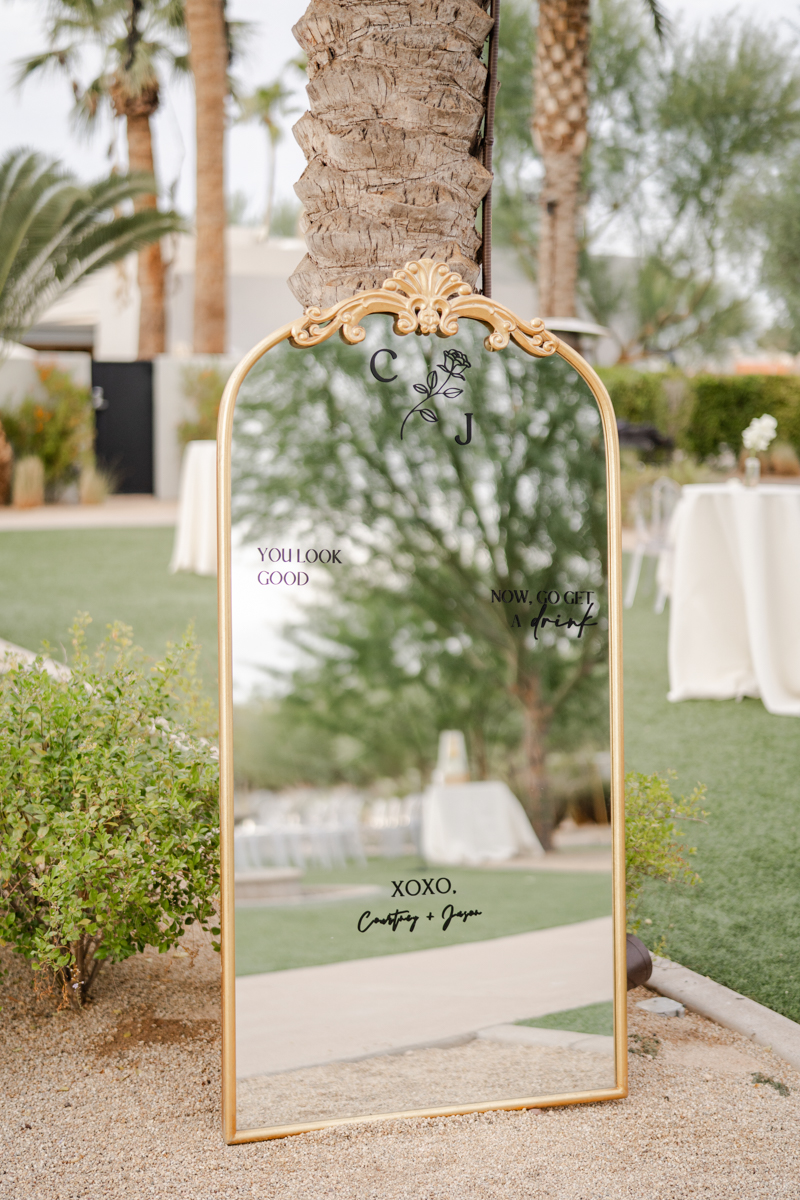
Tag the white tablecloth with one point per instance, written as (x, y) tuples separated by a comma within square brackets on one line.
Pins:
[(735, 587), (196, 536), (473, 823)]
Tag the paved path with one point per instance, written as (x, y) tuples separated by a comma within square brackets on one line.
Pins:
[(591, 858), (118, 512), (312, 1015)]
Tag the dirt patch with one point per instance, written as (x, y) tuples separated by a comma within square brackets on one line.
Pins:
[(143, 1028), (726, 1059)]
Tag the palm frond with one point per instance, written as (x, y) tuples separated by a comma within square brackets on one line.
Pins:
[(661, 22), (158, 40), (60, 58), (54, 231)]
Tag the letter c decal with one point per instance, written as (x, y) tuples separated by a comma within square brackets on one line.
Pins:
[(373, 368)]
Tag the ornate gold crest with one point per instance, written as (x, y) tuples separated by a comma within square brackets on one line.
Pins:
[(425, 297)]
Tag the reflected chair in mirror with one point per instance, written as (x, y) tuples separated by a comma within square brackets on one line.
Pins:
[(653, 506)]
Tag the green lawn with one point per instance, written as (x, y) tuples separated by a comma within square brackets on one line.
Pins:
[(113, 574), (274, 939), (741, 925)]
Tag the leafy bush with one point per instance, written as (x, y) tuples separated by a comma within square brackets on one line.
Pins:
[(652, 848), (724, 406), (108, 820), (58, 429), (204, 386), (662, 399), (706, 412), (637, 396)]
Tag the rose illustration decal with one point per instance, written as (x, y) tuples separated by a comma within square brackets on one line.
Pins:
[(454, 365)]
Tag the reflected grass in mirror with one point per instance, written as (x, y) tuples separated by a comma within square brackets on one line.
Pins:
[(280, 938), (591, 1018)]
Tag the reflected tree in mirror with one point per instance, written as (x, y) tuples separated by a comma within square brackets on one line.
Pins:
[(449, 547)]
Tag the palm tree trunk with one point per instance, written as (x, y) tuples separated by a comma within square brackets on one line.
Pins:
[(150, 268), (271, 143), (561, 78), (396, 98), (205, 21)]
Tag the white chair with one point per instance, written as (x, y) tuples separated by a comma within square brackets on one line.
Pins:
[(412, 816), (386, 818), (322, 835), (653, 508), (347, 814)]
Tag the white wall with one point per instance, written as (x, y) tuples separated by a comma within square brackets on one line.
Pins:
[(170, 407), (258, 296), (19, 377)]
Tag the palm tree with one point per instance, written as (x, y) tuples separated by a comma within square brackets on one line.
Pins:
[(135, 38), (265, 104), (209, 55), (55, 230), (397, 98), (560, 134)]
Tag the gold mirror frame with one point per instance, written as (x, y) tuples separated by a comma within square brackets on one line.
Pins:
[(424, 297)]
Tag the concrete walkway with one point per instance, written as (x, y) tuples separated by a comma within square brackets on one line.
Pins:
[(347, 1010), (118, 512)]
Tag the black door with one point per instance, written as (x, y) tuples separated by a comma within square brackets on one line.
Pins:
[(123, 397)]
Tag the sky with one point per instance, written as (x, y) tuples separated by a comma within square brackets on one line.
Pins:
[(39, 115)]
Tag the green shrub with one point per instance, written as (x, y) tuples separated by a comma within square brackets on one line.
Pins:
[(204, 386), (724, 405), (58, 429), (706, 412), (108, 808), (652, 848), (637, 396), (650, 398)]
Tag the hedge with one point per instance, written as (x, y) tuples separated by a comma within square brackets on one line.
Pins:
[(724, 405), (637, 396), (708, 411)]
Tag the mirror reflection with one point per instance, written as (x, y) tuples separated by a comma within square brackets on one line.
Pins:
[(421, 730)]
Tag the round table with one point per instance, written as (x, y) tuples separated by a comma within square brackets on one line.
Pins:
[(196, 536), (735, 581), (473, 823)]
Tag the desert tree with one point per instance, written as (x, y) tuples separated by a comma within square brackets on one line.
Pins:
[(438, 536)]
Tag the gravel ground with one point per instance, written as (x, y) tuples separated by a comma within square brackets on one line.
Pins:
[(122, 1100), (427, 1078)]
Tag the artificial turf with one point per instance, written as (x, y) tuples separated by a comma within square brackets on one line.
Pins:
[(741, 924), (47, 577)]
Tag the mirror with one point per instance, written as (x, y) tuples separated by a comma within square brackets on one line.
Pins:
[(418, 795)]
